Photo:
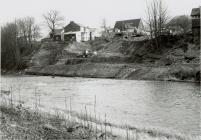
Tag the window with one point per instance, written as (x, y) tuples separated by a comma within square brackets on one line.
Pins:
[(195, 17)]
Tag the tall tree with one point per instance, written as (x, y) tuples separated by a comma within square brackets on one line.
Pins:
[(10, 54), (105, 28), (16, 39), (181, 23), (28, 29), (104, 25), (157, 18), (53, 19)]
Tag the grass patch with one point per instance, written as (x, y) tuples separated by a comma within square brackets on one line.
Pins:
[(21, 123)]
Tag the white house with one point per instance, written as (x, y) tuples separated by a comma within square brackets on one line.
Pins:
[(76, 32)]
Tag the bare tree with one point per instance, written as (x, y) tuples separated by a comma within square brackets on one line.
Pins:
[(10, 53), (157, 18), (53, 19), (16, 39), (33, 30), (180, 23), (21, 28), (36, 32), (27, 29), (104, 25)]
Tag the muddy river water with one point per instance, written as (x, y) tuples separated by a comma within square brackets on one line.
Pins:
[(167, 105)]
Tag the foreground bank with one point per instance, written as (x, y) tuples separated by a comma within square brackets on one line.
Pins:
[(18, 122)]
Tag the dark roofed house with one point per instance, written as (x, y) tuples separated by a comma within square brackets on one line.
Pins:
[(134, 26), (195, 15), (72, 27), (56, 35), (77, 32)]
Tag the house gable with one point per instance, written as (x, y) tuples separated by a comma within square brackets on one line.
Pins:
[(195, 14), (77, 32), (72, 27)]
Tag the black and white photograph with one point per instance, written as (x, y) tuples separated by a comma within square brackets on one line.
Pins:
[(100, 70)]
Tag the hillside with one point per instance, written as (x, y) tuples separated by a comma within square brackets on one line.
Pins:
[(176, 59)]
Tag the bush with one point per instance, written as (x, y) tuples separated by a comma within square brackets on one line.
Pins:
[(15, 48)]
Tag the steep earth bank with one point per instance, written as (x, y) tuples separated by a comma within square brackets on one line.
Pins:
[(177, 59)]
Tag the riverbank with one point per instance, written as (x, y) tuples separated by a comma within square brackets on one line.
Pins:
[(176, 60), (21, 123), (120, 71)]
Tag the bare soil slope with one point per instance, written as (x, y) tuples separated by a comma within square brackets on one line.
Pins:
[(177, 58)]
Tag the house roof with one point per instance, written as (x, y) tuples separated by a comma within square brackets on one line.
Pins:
[(195, 12), (121, 24), (78, 24), (72, 27)]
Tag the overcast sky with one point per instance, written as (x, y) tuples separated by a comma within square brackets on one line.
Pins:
[(89, 12)]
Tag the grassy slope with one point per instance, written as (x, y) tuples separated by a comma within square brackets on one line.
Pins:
[(176, 59), (20, 123)]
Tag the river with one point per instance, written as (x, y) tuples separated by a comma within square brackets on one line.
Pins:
[(151, 104)]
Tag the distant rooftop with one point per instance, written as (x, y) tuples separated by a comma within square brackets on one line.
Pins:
[(72, 22), (121, 24), (195, 12)]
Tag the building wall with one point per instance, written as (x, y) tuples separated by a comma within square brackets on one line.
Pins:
[(78, 36), (196, 35), (196, 31), (82, 35), (196, 28), (62, 35)]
